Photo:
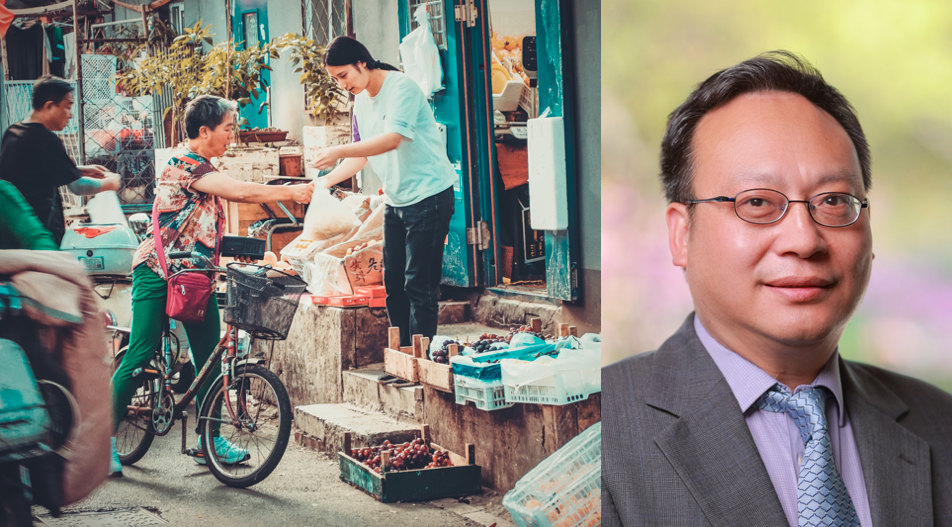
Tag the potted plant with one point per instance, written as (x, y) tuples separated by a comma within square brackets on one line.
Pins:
[(187, 72)]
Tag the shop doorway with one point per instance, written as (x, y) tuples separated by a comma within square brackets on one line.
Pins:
[(521, 249)]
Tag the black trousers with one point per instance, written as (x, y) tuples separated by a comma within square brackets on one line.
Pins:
[(414, 238)]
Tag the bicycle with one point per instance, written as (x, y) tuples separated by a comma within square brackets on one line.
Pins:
[(248, 404)]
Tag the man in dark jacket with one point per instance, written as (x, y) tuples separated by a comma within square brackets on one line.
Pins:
[(35, 161)]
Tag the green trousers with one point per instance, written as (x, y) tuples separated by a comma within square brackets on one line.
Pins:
[(148, 322)]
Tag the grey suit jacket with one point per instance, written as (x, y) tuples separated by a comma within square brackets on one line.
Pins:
[(676, 449)]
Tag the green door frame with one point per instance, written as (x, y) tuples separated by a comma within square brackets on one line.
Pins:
[(452, 109), (555, 44)]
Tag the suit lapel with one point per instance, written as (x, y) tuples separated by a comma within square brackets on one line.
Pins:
[(710, 445), (896, 463)]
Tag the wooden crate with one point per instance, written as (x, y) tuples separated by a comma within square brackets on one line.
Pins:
[(436, 375), (462, 479), (401, 362)]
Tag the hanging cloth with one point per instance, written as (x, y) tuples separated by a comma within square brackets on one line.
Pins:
[(56, 51), (25, 49), (6, 18)]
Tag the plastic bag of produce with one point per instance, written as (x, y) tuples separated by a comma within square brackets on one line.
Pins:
[(327, 218), (521, 340), (325, 276)]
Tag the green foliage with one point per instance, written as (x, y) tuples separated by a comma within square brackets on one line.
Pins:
[(186, 71), (322, 95)]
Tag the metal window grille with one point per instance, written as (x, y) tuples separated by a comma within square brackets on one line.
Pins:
[(324, 20), (119, 131), (437, 16)]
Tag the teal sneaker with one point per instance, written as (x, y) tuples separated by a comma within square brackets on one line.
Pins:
[(228, 453), (115, 467)]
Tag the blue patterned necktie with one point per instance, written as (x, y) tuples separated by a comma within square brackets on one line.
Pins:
[(822, 498)]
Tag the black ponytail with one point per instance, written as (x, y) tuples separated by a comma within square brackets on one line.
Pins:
[(345, 51)]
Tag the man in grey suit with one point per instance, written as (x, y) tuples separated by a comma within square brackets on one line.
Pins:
[(747, 415)]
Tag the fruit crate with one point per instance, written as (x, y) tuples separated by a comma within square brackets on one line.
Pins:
[(484, 395), (401, 361), (564, 490), (462, 479), (553, 383), (436, 375)]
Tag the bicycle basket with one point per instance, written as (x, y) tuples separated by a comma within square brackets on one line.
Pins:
[(261, 300)]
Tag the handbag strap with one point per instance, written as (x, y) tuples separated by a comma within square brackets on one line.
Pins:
[(157, 235)]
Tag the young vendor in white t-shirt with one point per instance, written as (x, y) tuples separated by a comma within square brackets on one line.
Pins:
[(396, 133)]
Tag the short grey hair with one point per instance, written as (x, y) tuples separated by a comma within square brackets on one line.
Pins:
[(207, 110)]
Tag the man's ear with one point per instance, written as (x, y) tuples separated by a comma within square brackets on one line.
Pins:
[(679, 229)]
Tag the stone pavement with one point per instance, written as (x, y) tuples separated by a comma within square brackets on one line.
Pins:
[(167, 488)]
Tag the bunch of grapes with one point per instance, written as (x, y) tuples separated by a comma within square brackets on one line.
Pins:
[(406, 456), (523, 329), (486, 341), (442, 355)]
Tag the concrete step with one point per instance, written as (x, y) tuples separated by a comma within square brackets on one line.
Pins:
[(455, 312), (323, 427), (366, 388)]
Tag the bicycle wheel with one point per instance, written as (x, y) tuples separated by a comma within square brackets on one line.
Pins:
[(135, 434), (260, 425)]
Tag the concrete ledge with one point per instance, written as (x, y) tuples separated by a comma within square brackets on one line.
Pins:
[(363, 389), (455, 313), (327, 423), (506, 312), (509, 442), (323, 342)]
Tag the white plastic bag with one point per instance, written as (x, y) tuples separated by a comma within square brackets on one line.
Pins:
[(327, 217), (421, 56), (325, 276)]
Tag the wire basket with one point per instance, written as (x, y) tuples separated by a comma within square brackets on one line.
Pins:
[(262, 302)]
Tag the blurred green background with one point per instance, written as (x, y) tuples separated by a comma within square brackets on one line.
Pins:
[(892, 60)]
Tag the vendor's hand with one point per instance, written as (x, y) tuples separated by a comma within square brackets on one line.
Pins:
[(93, 171), (303, 193), (326, 157), (245, 260), (323, 183), (111, 182)]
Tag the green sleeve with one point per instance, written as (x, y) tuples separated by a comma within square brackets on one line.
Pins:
[(19, 227)]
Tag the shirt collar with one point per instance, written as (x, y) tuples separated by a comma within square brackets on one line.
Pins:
[(749, 382)]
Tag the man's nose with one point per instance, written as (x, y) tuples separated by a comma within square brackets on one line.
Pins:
[(799, 234)]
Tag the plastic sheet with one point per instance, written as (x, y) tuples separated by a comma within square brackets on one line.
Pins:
[(421, 56)]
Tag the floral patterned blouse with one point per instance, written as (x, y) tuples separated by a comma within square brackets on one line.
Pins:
[(188, 219)]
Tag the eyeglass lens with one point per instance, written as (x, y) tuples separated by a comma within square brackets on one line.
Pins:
[(832, 209)]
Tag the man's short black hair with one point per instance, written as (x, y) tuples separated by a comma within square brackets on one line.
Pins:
[(50, 88), (206, 110), (772, 71)]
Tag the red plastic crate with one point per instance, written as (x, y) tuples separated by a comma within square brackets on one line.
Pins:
[(375, 291), (378, 302), (348, 301)]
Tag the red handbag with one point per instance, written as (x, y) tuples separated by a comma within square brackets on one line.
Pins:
[(188, 293)]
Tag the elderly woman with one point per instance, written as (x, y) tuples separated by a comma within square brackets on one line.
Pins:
[(189, 210)]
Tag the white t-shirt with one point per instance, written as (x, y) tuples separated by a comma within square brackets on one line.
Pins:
[(419, 167)]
